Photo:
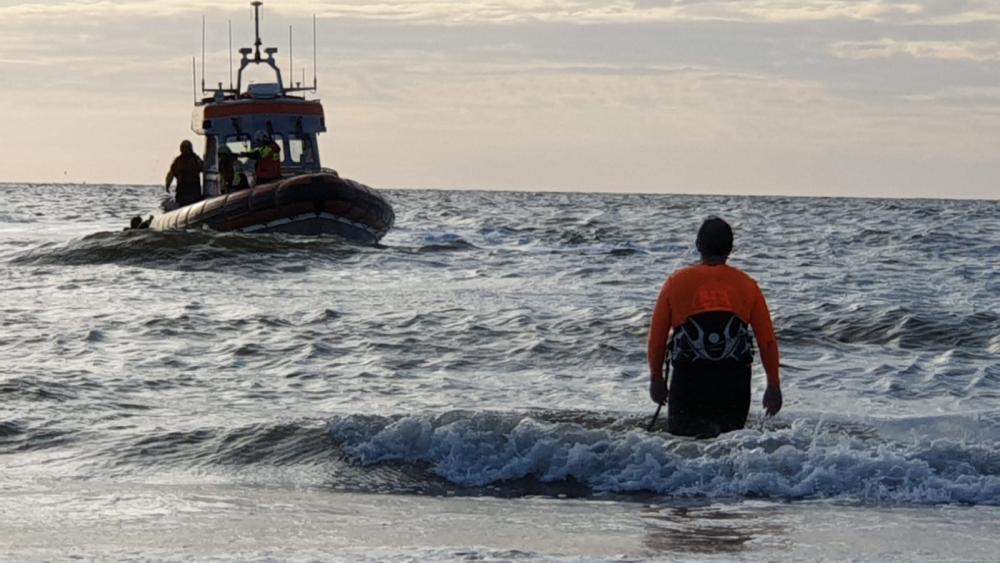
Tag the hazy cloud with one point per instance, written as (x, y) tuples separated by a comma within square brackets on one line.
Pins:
[(978, 51), (548, 11)]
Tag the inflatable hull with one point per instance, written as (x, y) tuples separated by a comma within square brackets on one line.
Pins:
[(311, 204)]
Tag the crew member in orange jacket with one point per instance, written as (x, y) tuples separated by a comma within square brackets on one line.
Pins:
[(705, 312)]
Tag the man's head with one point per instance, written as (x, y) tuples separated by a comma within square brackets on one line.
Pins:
[(261, 138), (186, 147), (715, 240)]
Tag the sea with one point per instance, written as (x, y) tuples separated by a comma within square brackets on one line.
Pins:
[(474, 388)]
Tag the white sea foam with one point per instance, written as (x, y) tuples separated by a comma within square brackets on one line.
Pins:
[(807, 459)]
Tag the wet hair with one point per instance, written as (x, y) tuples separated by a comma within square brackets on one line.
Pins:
[(715, 238)]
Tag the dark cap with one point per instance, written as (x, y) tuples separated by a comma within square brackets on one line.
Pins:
[(715, 238)]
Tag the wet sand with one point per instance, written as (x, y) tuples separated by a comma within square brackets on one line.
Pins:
[(131, 521)]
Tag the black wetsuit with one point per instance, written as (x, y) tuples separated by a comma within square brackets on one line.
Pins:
[(711, 356), (187, 169)]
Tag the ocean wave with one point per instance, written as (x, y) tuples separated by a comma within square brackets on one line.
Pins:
[(899, 326), (266, 444), (457, 244), (9, 428), (927, 461), (807, 459), (188, 250), (17, 437), (35, 389)]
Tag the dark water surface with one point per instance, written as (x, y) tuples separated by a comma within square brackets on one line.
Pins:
[(492, 348)]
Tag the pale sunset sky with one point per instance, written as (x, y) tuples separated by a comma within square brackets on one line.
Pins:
[(808, 97)]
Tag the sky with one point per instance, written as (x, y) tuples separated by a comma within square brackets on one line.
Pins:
[(863, 98)]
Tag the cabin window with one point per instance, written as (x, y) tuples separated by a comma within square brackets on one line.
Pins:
[(278, 140), (300, 150), (238, 143)]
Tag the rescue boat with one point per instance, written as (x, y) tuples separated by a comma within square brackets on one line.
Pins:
[(308, 199)]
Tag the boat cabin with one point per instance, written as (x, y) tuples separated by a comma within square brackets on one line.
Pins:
[(232, 116)]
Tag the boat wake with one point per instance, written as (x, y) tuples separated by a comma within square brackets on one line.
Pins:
[(190, 250)]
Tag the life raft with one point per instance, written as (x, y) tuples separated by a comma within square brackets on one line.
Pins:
[(310, 204)]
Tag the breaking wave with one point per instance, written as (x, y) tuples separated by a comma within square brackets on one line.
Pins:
[(808, 459)]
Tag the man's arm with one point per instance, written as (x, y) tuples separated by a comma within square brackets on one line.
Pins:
[(763, 330), (656, 346)]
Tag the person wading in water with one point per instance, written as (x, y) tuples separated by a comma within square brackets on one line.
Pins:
[(705, 313)]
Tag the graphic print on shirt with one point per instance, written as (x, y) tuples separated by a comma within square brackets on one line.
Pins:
[(717, 336)]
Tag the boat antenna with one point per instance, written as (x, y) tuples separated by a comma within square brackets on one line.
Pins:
[(314, 55), (194, 80), (202, 53), (256, 21), (291, 68), (230, 54)]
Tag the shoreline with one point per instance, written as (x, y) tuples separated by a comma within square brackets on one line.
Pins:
[(95, 519)]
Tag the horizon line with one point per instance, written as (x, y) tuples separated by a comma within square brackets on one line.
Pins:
[(557, 191)]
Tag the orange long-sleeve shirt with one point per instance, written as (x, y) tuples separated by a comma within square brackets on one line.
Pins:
[(704, 288)]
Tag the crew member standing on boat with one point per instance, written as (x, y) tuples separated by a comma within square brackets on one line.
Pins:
[(227, 169), (187, 169), (267, 155), (705, 312)]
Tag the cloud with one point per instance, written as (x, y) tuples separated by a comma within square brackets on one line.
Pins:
[(976, 51), (585, 12)]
